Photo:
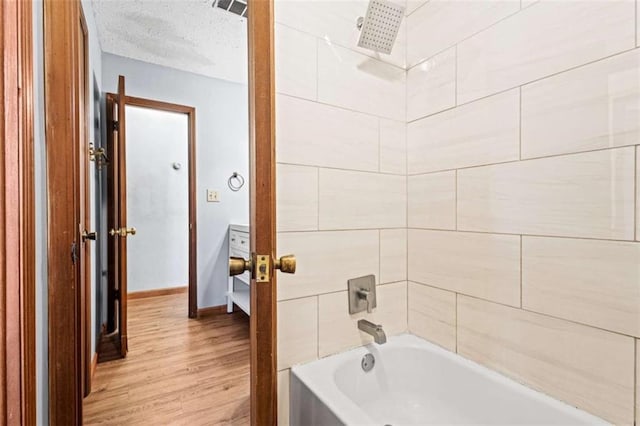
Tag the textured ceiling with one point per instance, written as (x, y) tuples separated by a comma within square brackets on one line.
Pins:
[(185, 34)]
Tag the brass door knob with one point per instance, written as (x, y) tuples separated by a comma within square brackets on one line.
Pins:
[(237, 265), (114, 232), (286, 264), (88, 236), (131, 231)]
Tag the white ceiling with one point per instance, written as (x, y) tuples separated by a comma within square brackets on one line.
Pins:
[(189, 35)]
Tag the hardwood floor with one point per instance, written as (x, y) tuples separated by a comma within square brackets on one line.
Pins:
[(178, 370)]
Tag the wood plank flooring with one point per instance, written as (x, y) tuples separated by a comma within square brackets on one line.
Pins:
[(178, 371)]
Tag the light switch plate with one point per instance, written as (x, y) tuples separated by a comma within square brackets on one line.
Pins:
[(213, 196)]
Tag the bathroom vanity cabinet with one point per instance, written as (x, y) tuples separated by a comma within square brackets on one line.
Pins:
[(239, 286)]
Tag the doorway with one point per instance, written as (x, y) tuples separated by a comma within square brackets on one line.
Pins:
[(65, 406), (149, 208)]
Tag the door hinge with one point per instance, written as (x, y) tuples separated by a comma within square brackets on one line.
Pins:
[(115, 125), (74, 252), (116, 294)]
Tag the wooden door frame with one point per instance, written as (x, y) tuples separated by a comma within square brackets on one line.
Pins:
[(65, 402), (262, 164), (193, 197), (17, 216)]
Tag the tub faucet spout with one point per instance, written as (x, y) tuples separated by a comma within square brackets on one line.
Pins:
[(374, 330)]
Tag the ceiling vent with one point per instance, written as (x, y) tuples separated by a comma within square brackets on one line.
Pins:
[(237, 7)]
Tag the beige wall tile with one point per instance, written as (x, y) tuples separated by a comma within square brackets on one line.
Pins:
[(592, 107), (283, 397), (581, 195), (483, 132), (637, 195), (393, 255), (336, 23), (355, 81), (393, 146), (541, 40), (313, 134), (588, 281), (431, 85), (440, 24), (339, 330), (481, 265), (412, 5), (637, 382), (326, 260), (356, 200), (432, 314), (296, 62), (297, 331), (297, 202), (586, 367), (432, 200)]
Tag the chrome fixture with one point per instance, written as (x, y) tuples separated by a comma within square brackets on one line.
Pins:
[(379, 27), (367, 363), (235, 182), (362, 294), (237, 7), (374, 330)]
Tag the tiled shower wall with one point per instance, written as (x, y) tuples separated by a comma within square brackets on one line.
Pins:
[(342, 180), (515, 199), (523, 120)]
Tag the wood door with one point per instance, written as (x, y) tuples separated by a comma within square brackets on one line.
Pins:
[(61, 128), (122, 217), (114, 344)]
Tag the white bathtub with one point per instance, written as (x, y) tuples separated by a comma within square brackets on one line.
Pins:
[(414, 382)]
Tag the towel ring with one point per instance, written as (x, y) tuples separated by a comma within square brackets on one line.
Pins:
[(235, 182)]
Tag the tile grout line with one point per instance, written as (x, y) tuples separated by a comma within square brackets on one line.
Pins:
[(566, 237), (318, 199), (526, 310), (420, 61), (455, 94), (567, 154), (636, 395), (467, 231), (456, 325), (456, 206), (317, 70), (520, 271), (315, 166), (526, 83), (340, 107), (520, 123), (349, 48)]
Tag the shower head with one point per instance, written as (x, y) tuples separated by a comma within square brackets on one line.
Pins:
[(379, 27)]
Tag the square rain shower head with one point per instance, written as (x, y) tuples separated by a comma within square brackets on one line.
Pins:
[(380, 26)]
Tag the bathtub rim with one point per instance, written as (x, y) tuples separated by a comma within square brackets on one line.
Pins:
[(351, 414)]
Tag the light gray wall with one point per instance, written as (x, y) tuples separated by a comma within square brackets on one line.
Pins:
[(42, 372), (157, 199), (95, 79), (222, 147)]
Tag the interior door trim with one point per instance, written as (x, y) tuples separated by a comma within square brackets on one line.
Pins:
[(193, 198), (262, 162), (17, 216)]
